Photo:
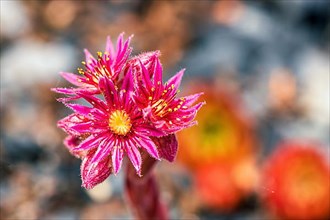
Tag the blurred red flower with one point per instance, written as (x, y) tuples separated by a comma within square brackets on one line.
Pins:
[(223, 185), (221, 150), (296, 182)]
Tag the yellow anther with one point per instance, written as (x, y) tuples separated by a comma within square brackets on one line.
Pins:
[(119, 122)]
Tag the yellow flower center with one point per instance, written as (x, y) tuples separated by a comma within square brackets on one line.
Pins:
[(119, 122)]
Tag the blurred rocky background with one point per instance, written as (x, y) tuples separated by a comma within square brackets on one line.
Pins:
[(264, 68)]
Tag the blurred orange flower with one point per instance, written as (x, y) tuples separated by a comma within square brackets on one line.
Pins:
[(223, 185), (224, 131), (296, 182), (221, 150)]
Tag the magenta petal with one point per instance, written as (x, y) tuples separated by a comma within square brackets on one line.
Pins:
[(148, 59), (122, 55), (148, 130), (117, 158), (66, 91), (127, 88), (109, 47), (98, 115), (72, 78), (146, 76), (91, 113), (89, 143), (80, 109), (158, 72), (96, 102), (134, 156), (198, 106), (68, 99), (147, 144), (67, 122), (71, 142), (94, 173), (167, 147), (83, 127), (103, 150), (89, 56), (128, 81), (120, 41), (191, 99), (176, 79), (109, 91)]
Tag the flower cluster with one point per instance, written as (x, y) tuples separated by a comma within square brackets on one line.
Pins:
[(130, 112)]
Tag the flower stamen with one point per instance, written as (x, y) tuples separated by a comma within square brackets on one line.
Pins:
[(119, 122)]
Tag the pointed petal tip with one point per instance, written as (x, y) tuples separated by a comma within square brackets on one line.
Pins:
[(88, 55), (158, 53), (115, 171), (201, 105), (138, 172), (65, 100), (64, 73), (176, 79), (87, 186), (130, 37)]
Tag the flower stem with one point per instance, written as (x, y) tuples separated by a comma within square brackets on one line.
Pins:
[(143, 193)]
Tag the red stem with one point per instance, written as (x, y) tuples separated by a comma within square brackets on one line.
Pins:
[(143, 192)]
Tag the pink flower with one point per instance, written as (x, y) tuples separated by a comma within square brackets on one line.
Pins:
[(112, 128), (108, 64), (160, 103), (141, 116)]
